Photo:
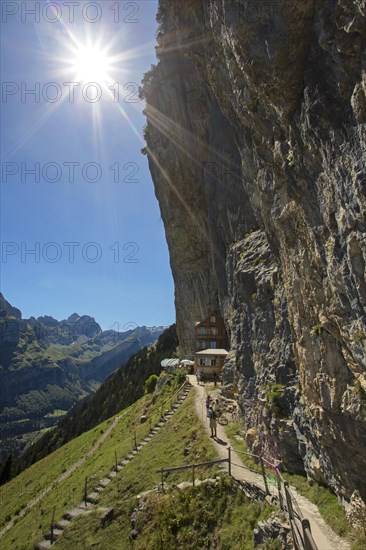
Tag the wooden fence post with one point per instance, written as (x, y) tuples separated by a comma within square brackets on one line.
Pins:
[(229, 460), (52, 524), (288, 501), (290, 512), (279, 489), (264, 475), (85, 491), (193, 480)]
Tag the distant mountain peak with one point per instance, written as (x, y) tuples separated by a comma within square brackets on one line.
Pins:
[(47, 320), (73, 318), (10, 310)]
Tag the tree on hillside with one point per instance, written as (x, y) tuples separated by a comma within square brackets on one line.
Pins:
[(7, 470)]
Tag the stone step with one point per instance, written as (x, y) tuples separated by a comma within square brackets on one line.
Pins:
[(85, 507), (43, 545), (56, 534), (93, 497), (125, 461), (112, 474), (99, 489), (104, 482), (62, 523), (74, 513)]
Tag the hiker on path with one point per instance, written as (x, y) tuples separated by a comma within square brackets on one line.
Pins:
[(213, 423), (208, 403)]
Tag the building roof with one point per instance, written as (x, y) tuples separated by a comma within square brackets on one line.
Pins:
[(208, 320), (212, 351)]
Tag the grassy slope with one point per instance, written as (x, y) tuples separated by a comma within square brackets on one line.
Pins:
[(179, 519), (182, 441)]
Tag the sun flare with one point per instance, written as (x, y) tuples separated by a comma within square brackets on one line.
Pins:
[(91, 64)]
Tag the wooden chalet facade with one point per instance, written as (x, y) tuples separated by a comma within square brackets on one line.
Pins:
[(211, 343), (210, 333)]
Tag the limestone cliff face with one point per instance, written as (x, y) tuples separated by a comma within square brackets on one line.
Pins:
[(256, 141)]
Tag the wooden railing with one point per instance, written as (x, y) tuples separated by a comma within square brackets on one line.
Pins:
[(162, 471), (300, 526)]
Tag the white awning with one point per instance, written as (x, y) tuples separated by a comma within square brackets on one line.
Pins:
[(212, 351), (169, 363)]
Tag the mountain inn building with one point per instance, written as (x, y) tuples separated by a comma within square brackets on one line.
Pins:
[(210, 346)]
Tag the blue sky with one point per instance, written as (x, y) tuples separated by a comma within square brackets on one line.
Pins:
[(80, 225)]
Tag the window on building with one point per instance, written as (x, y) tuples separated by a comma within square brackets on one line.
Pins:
[(202, 331), (213, 319), (202, 362), (201, 344), (213, 362), (214, 331), (213, 344)]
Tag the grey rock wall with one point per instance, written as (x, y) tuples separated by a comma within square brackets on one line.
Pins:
[(256, 142)]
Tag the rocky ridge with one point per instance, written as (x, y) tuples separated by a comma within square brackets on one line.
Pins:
[(256, 141)]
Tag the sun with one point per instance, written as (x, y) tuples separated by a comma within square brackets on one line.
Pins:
[(91, 64)]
